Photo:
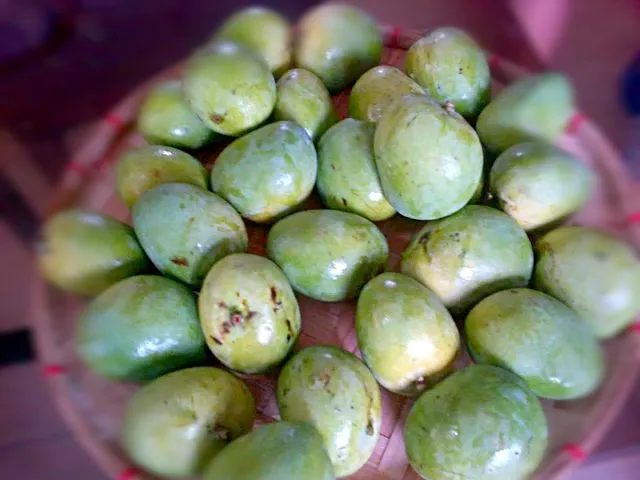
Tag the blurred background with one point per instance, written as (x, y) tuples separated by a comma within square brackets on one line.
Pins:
[(63, 63)]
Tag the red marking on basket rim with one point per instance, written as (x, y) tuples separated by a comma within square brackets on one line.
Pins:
[(634, 327), (102, 162), (129, 473), (575, 451), (394, 37), (494, 61), (79, 168), (114, 120), (633, 218), (574, 123), (53, 370)]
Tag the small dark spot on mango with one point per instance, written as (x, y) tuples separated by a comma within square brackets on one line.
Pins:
[(221, 432), (183, 262), (215, 339), (370, 430), (344, 201), (274, 294), (333, 167), (226, 327), (222, 305), (325, 378), (216, 118)]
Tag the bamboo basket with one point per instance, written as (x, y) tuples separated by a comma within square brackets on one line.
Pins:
[(93, 407)]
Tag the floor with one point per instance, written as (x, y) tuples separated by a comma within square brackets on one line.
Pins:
[(93, 69)]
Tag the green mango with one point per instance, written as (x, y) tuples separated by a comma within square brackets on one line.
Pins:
[(429, 159), (263, 30), (347, 175), (303, 98), (481, 423), (166, 119), (248, 312), (327, 255), (376, 89), (229, 87), (538, 338), (143, 168), (536, 107), (85, 252), (406, 335), (338, 43), (594, 273), (174, 425), (140, 328), (539, 184), (185, 229), (335, 392), (469, 255), (277, 451), (268, 172), (452, 67)]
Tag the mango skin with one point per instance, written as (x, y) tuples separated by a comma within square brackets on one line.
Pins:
[(185, 229), (85, 252), (336, 393), (174, 425), (406, 335), (304, 99), (347, 175), (327, 255), (277, 451), (539, 184), (537, 107), (143, 168), (488, 426), (594, 273), (452, 67), (248, 312), (539, 339), (166, 119), (140, 328), (268, 172), (376, 88), (338, 43), (229, 87), (429, 159), (251, 26), (469, 255)]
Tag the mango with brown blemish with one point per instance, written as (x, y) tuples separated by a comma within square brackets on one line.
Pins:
[(176, 424), (335, 392), (249, 313), (185, 229), (229, 87)]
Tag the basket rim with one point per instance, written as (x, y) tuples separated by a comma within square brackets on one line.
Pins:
[(106, 133)]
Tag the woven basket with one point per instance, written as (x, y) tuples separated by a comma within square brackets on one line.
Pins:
[(93, 406)]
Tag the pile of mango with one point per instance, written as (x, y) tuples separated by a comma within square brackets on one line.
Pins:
[(478, 172)]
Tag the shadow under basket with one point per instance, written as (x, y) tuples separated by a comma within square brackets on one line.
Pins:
[(93, 406)]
